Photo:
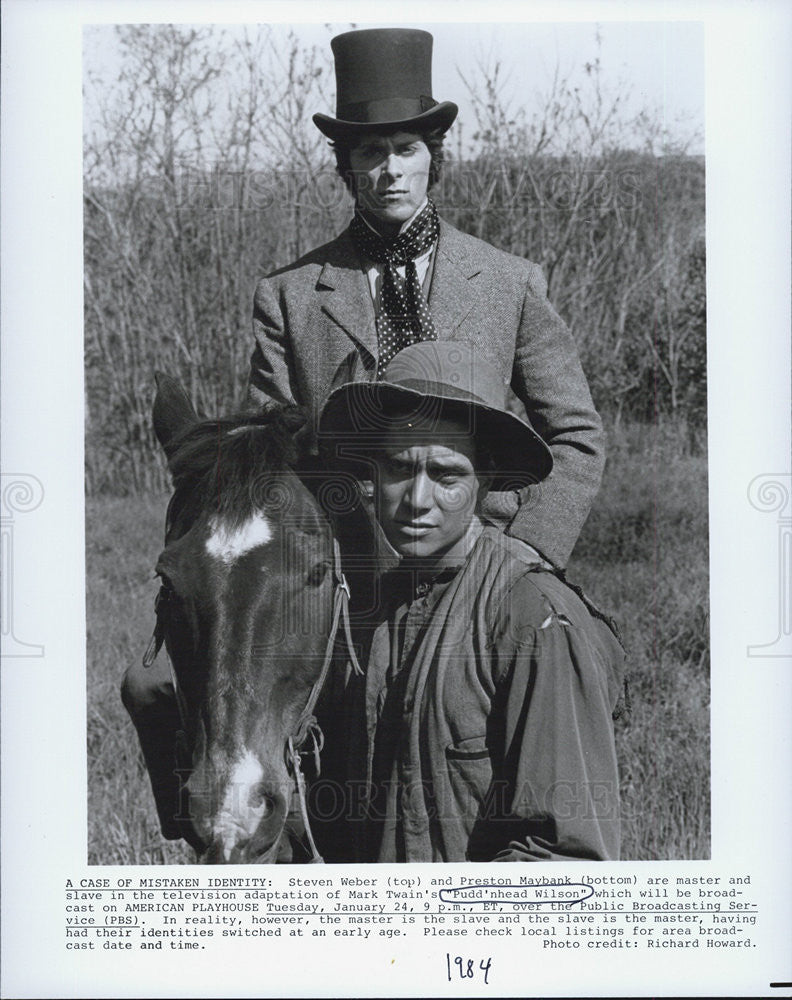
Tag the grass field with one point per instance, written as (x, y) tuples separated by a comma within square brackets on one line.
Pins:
[(642, 557)]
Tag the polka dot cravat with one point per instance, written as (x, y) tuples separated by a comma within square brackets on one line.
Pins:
[(404, 316)]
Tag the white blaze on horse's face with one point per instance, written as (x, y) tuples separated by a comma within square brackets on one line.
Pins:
[(243, 807), (228, 544)]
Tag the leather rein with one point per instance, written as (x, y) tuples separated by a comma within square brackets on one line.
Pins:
[(307, 725)]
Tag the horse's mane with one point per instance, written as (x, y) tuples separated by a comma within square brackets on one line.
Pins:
[(224, 465)]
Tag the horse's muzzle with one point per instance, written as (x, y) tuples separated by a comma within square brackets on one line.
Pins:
[(241, 821), (254, 852)]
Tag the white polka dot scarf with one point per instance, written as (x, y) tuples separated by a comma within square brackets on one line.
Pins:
[(404, 316)]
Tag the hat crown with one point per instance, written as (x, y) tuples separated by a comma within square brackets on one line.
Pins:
[(447, 369), (382, 65), (421, 381), (384, 83)]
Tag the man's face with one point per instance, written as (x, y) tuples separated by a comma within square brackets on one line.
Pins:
[(427, 490), (391, 175)]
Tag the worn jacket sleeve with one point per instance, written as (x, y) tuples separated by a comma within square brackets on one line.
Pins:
[(549, 381), (271, 365), (556, 782)]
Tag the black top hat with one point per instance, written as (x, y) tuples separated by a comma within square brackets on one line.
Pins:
[(428, 381), (384, 82)]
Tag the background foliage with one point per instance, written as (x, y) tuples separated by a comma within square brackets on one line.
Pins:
[(203, 172)]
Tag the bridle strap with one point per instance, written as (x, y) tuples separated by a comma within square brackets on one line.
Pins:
[(299, 780), (307, 724), (341, 597)]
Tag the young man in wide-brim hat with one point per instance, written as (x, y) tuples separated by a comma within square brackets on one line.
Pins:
[(400, 275), (482, 727)]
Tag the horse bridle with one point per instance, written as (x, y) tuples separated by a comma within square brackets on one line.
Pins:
[(307, 725)]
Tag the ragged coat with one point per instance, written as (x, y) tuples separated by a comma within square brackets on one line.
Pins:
[(482, 729)]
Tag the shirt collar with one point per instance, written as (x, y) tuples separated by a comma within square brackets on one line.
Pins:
[(410, 221), (429, 576)]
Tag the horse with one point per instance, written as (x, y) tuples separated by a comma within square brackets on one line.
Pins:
[(252, 596)]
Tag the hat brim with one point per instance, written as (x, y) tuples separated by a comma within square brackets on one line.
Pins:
[(441, 116), (356, 415)]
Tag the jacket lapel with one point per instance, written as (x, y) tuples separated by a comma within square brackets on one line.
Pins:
[(453, 292), (344, 295)]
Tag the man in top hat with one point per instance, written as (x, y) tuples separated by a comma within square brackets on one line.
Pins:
[(399, 275), (482, 727)]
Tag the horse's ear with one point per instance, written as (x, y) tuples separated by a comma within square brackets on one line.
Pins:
[(172, 412)]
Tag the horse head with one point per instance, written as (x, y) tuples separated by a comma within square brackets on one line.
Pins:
[(245, 609)]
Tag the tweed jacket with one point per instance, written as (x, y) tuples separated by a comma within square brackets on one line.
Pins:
[(314, 327)]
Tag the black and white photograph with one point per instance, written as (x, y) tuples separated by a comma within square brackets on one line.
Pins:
[(318, 250), (398, 422)]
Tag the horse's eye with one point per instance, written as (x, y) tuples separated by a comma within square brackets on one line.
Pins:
[(167, 599), (317, 573)]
